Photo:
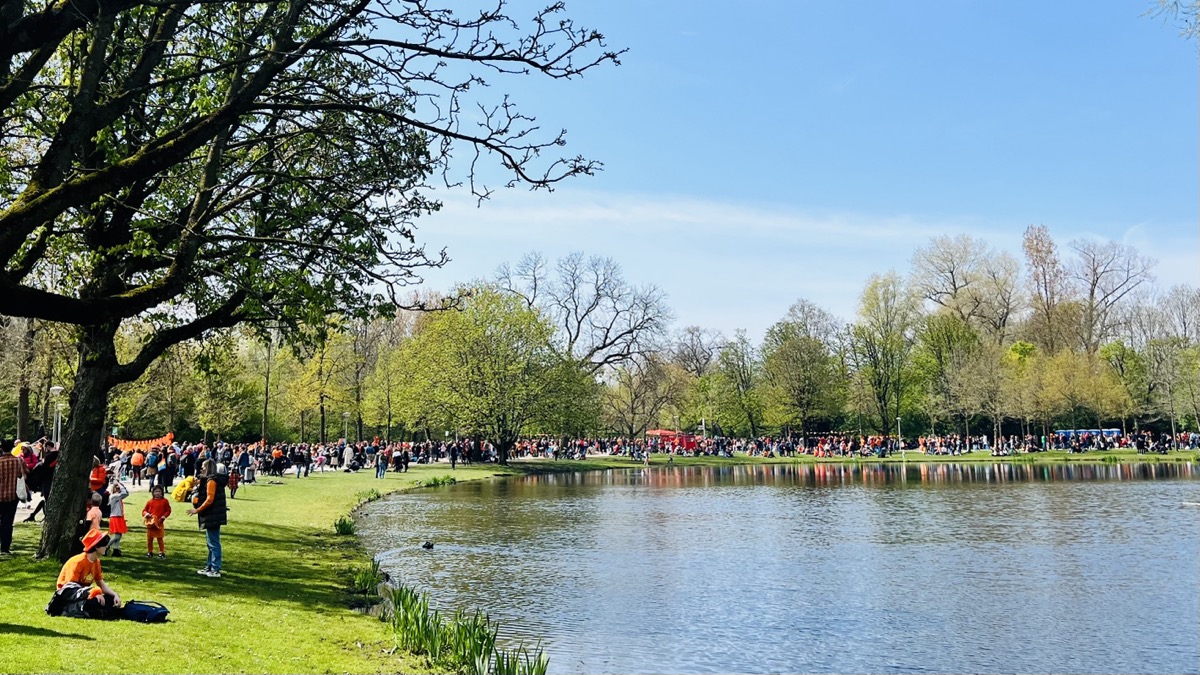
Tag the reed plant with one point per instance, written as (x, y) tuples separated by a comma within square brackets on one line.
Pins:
[(437, 481), (465, 644), (366, 580), (344, 526), (520, 661), (368, 496)]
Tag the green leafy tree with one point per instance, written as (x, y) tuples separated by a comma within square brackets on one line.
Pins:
[(199, 165), (800, 368), (490, 369), (881, 343), (738, 384)]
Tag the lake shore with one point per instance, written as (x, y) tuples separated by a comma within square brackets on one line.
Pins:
[(283, 604)]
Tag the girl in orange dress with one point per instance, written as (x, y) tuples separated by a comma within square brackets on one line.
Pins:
[(155, 513)]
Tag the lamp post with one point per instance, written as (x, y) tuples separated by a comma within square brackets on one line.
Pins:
[(56, 391), (346, 427), (903, 456)]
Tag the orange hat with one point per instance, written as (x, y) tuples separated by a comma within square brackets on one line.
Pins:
[(94, 539)]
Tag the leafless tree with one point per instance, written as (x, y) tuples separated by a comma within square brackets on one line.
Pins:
[(970, 279), (1105, 273), (1048, 287), (641, 388), (695, 349), (600, 318)]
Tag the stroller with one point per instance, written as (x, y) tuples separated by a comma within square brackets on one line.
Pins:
[(248, 474)]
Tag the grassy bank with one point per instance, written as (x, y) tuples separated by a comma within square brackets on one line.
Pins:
[(282, 604)]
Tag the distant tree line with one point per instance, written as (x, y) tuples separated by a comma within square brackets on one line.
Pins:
[(969, 341)]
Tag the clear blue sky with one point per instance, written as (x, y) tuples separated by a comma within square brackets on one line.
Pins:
[(763, 151)]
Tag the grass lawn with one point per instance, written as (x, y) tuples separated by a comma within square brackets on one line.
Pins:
[(282, 603)]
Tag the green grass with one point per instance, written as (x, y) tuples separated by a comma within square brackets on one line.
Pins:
[(281, 606)]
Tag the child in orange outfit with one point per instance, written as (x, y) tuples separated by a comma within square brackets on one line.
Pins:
[(155, 513)]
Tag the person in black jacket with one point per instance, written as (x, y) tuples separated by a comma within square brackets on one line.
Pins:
[(210, 509)]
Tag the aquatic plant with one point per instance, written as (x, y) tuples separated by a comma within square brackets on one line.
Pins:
[(466, 644), (366, 580), (344, 526), (436, 481), (368, 496)]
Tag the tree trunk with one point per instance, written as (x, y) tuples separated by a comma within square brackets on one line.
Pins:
[(266, 395), (81, 439), (23, 412), (24, 428)]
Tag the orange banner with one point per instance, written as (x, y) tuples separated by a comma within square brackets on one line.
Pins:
[(124, 444)]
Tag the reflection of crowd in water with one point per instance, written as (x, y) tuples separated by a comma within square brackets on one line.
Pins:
[(839, 474)]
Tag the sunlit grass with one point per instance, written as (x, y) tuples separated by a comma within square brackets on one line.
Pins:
[(281, 606)]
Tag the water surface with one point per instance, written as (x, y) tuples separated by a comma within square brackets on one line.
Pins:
[(991, 568)]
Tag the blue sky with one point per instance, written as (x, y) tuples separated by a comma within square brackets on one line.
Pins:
[(763, 151)]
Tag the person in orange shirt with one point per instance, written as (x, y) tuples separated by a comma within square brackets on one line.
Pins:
[(84, 569), (99, 477), (155, 513), (136, 460)]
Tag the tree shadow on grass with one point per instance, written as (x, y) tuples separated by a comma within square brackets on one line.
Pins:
[(270, 563), (33, 631)]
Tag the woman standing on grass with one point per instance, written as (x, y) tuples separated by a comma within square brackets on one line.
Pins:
[(210, 508)]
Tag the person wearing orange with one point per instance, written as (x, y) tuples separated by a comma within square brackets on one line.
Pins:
[(136, 460), (99, 477), (155, 514), (84, 569), (117, 527)]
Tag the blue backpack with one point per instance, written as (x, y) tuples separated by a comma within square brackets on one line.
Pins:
[(146, 612)]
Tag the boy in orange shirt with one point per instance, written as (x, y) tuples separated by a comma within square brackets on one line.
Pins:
[(155, 512), (84, 569)]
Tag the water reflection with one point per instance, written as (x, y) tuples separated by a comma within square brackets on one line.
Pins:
[(971, 567), (828, 474)]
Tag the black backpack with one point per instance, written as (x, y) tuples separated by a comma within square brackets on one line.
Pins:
[(146, 612)]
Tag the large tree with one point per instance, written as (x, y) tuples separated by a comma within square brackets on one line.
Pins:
[(203, 164), (490, 369), (601, 320), (799, 364), (881, 342)]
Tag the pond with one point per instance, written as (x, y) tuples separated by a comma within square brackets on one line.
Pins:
[(827, 568)]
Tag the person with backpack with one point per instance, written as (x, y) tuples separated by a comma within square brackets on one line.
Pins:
[(150, 470), (210, 510)]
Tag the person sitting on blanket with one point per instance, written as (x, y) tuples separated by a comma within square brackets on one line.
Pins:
[(84, 569)]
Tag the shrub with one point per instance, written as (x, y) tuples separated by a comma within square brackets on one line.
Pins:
[(437, 481)]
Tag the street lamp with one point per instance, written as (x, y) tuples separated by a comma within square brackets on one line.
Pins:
[(55, 392), (345, 427), (900, 441)]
